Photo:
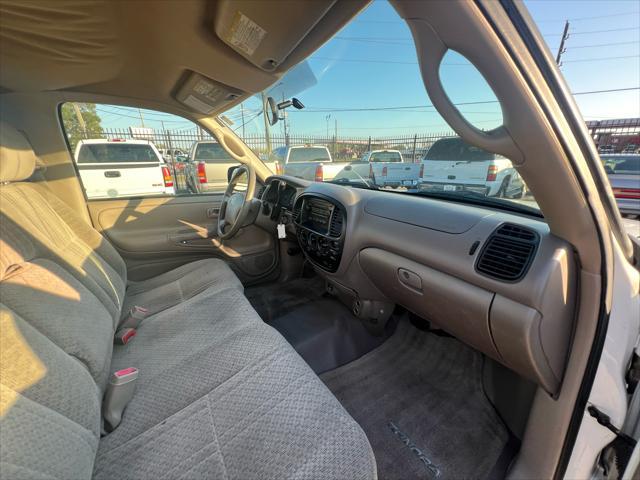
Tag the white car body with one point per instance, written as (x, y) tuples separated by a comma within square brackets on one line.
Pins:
[(452, 165), (387, 168), (122, 168)]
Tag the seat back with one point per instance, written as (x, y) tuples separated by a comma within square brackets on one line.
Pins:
[(61, 294)]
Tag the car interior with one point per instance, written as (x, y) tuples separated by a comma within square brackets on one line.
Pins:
[(287, 328)]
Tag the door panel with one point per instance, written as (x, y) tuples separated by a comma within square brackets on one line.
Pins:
[(154, 235)]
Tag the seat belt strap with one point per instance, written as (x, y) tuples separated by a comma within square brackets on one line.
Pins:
[(118, 394)]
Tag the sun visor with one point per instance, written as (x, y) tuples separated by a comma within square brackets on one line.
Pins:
[(265, 33), (204, 95)]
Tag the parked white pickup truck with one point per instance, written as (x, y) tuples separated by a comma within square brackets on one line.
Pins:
[(451, 164), (387, 168), (122, 168), (310, 162)]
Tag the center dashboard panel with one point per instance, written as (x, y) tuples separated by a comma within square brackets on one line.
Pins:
[(320, 228)]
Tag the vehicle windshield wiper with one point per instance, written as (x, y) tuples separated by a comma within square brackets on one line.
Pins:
[(476, 198)]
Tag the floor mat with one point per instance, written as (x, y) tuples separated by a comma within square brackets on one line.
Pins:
[(274, 300), (419, 399)]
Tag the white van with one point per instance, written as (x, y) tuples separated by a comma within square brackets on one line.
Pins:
[(451, 164), (122, 168)]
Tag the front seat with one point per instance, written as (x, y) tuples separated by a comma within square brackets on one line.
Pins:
[(218, 393)]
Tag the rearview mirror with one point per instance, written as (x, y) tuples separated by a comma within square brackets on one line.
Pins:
[(271, 111)]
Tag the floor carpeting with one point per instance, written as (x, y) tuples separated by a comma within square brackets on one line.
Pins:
[(419, 399), (274, 300)]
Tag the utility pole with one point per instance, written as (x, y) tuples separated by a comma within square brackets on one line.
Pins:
[(141, 119), (83, 125), (327, 118), (267, 134), (335, 136), (242, 112), (561, 49)]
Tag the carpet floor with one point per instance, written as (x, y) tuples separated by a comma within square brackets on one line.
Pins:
[(420, 401)]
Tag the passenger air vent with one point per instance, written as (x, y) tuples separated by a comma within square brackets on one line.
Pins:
[(508, 253), (337, 221), (296, 211)]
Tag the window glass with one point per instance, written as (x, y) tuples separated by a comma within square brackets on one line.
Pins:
[(385, 157), (130, 152), (309, 154), (457, 149), (116, 152), (212, 152), (368, 122)]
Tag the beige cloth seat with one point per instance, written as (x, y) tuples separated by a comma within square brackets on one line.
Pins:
[(220, 394), (180, 284)]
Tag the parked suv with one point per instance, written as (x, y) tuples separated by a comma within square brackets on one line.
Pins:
[(119, 168), (451, 164)]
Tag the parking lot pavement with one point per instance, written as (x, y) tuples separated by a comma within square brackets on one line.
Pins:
[(632, 225)]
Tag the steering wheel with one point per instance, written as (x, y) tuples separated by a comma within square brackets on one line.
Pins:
[(235, 205)]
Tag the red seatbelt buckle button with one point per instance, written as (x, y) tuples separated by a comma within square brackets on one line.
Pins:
[(125, 373), (124, 335)]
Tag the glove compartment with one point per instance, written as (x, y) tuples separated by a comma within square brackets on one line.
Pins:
[(452, 304)]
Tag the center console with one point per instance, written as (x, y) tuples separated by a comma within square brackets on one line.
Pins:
[(320, 224)]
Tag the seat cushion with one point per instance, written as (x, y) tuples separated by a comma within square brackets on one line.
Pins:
[(180, 284), (220, 394)]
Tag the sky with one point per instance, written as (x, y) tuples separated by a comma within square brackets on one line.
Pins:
[(368, 82)]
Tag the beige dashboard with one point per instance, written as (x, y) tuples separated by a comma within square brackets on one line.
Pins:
[(428, 256)]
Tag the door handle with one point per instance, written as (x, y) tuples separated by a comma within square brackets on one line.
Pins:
[(112, 173), (213, 212)]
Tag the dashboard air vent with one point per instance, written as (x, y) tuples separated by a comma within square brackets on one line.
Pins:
[(508, 253), (337, 220), (296, 211)]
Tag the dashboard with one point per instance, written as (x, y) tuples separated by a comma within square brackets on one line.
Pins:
[(498, 281)]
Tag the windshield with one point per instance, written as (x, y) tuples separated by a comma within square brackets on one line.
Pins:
[(116, 153), (366, 104), (309, 154)]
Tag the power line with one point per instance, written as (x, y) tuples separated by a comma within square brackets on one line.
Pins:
[(600, 59), (596, 31), (150, 113), (635, 42), (577, 19), (397, 62), (101, 110), (459, 104)]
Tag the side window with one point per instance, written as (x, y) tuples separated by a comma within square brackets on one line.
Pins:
[(130, 152)]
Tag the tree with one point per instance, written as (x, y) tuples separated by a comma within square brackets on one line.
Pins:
[(81, 123)]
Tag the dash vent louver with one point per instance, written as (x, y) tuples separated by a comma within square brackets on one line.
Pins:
[(297, 210), (337, 221), (508, 253)]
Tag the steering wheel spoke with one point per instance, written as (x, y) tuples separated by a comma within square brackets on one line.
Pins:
[(233, 209)]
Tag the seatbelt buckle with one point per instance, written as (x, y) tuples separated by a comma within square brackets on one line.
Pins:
[(118, 394), (124, 336), (135, 315)]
